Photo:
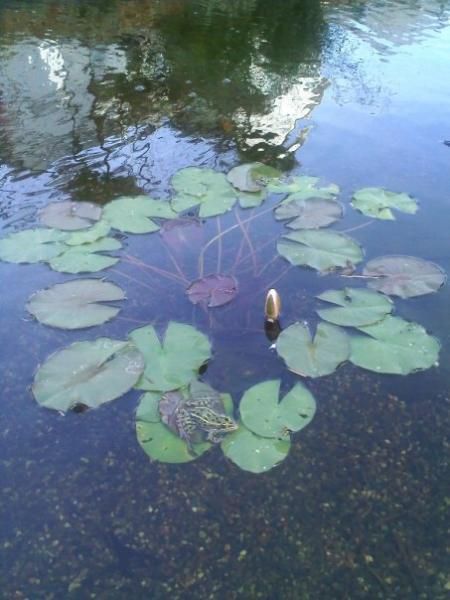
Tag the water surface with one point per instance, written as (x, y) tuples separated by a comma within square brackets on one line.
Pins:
[(101, 99)]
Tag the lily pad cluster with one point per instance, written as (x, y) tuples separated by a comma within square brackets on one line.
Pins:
[(389, 344), (180, 417)]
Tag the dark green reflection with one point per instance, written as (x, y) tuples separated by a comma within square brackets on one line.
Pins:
[(75, 73)]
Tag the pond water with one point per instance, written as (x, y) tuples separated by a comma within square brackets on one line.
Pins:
[(104, 99)]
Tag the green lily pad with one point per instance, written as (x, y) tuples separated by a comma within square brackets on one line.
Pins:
[(74, 304), (148, 408), (357, 307), (313, 357), (205, 188), (163, 445), (252, 177), (263, 414), (133, 214), (157, 440), (404, 276), (88, 373), (394, 346), (173, 363), (87, 236), (303, 187), (251, 199), (253, 453), (84, 258), (378, 202), (321, 250), (69, 215), (32, 245), (311, 213)]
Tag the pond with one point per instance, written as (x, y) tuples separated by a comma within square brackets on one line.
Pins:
[(237, 457)]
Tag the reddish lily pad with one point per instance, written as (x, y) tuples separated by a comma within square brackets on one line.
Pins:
[(213, 290), (181, 233), (404, 276)]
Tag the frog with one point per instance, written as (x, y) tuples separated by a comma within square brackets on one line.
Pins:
[(198, 416)]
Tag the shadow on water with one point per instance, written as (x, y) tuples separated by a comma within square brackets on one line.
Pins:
[(103, 99)]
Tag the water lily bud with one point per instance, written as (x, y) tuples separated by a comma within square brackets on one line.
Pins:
[(272, 307)]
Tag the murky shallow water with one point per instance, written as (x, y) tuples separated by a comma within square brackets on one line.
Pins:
[(103, 99)]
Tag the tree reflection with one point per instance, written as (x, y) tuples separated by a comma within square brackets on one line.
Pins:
[(76, 74)]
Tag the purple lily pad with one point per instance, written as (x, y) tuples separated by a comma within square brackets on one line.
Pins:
[(182, 232), (213, 290)]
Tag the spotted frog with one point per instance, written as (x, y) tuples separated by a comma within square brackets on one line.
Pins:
[(201, 415)]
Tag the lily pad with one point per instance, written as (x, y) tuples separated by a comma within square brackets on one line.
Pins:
[(311, 213), (378, 202), (394, 346), (173, 363), (205, 188), (89, 373), (157, 440), (87, 236), (251, 199), (213, 290), (303, 187), (357, 307), (134, 214), (32, 245), (252, 177), (84, 258), (321, 250), (263, 414), (70, 215), (313, 357), (253, 453), (75, 304), (404, 276), (181, 233)]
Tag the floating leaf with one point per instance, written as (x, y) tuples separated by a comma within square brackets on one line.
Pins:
[(89, 373), (252, 452), (377, 203), (404, 276), (213, 290), (313, 357), (394, 346), (156, 439), (251, 177), (174, 362), (357, 307), (181, 233), (321, 250), (84, 258), (311, 213), (32, 245), (301, 188), (263, 414), (74, 304), (87, 236), (133, 214), (69, 215), (251, 200), (148, 407), (203, 187)]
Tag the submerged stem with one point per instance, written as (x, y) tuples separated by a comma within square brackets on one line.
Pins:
[(135, 261), (219, 243), (201, 258), (358, 226), (248, 240)]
